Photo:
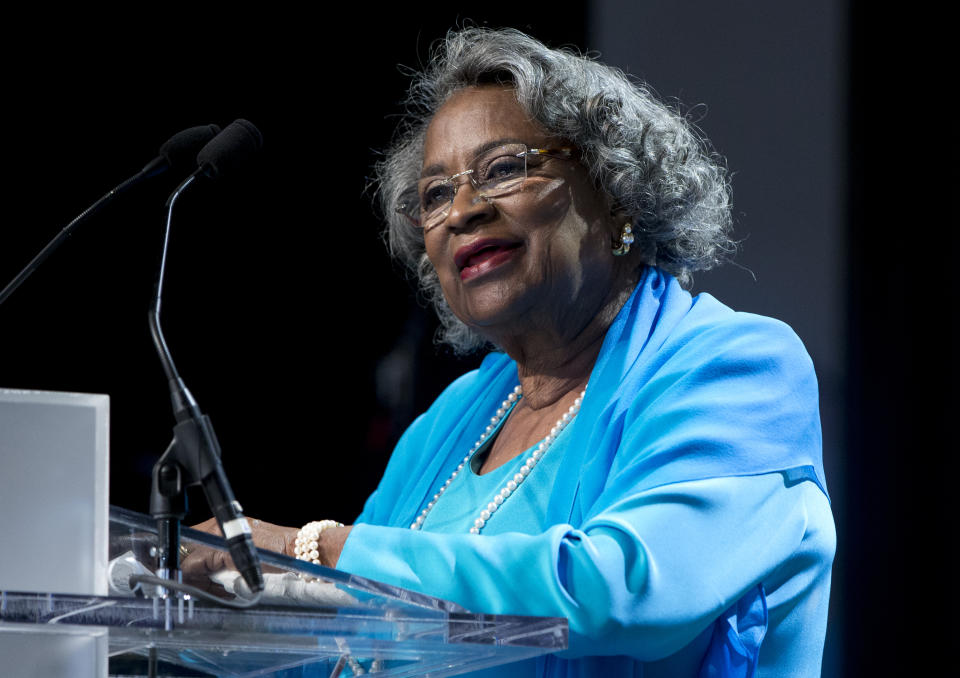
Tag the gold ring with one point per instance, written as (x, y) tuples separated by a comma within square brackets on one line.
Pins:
[(184, 551)]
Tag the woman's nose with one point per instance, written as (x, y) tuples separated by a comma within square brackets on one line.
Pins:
[(469, 208)]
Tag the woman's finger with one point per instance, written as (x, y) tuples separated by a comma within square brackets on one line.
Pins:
[(200, 563)]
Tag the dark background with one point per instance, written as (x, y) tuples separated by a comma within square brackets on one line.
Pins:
[(306, 346)]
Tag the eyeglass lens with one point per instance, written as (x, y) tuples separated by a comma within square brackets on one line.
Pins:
[(495, 173)]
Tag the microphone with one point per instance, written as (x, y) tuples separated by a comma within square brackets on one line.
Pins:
[(195, 449), (177, 151), (230, 149), (224, 154)]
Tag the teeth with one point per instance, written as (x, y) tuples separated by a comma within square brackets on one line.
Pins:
[(485, 252), (481, 253)]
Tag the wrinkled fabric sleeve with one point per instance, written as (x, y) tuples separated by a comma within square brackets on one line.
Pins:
[(630, 582)]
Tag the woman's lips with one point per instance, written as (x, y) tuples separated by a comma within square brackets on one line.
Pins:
[(484, 255)]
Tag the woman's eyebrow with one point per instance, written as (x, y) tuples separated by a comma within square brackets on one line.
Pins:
[(436, 168)]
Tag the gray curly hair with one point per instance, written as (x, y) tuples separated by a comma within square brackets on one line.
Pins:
[(654, 165)]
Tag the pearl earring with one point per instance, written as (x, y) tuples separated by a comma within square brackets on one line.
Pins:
[(626, 239)]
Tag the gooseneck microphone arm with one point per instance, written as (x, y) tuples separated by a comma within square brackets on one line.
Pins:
[(193, 458), (168, 499), (177, 387), (174, 152), (52, 246)]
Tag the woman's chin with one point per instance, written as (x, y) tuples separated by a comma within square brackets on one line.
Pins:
[(495, 310)]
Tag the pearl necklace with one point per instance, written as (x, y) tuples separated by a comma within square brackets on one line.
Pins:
[(528, 465)]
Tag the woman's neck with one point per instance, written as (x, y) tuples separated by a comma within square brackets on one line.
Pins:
[(552, 364)]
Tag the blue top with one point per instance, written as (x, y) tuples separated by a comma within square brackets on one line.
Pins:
[(524, 511), (686, 527)]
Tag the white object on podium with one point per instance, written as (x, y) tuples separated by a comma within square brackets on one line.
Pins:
[(54, 503)]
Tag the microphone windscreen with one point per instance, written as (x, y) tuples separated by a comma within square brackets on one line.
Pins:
[(230, 149), (181, 149)]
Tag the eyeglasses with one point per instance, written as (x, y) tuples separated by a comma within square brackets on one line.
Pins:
[(496, 173)]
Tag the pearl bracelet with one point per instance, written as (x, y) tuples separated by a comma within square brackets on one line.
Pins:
[(308, 540)]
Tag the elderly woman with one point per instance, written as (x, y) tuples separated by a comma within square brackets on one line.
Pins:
[(642, 462)]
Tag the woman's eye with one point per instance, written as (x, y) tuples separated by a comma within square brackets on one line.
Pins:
[(504, 168), (435, 195)]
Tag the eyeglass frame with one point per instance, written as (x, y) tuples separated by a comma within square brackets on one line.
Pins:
[(404, 208)]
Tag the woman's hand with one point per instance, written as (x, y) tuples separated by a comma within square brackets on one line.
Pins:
[(201, 562)]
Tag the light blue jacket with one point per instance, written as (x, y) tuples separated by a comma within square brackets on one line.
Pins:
[(689, 524)]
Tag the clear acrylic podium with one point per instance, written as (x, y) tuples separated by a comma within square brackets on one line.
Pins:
[(312, 621)]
